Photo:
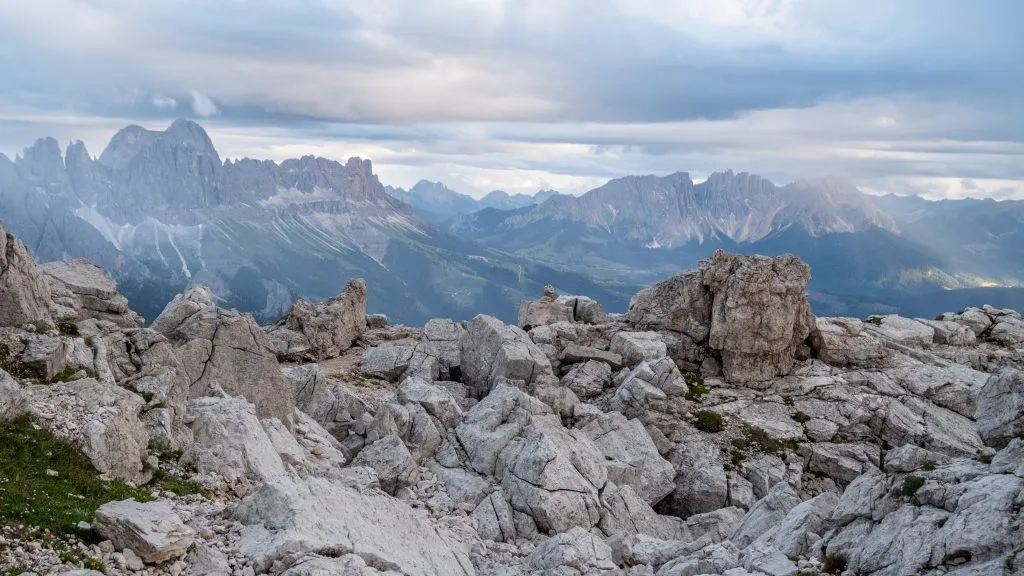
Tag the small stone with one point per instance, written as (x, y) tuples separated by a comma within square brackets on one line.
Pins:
[(131, 560), (52, 473)]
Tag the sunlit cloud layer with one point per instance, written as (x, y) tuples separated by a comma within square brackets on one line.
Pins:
[(905, 96)]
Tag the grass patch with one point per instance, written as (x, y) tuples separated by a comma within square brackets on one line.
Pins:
[(764, 442), (708, 421), (28, 495), (179, 486), (911, 484), (801, 418), (834, 564), (698, 390), (67, 328), (928, 465)]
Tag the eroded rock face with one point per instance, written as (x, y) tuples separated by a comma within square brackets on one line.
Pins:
[(1000, 412), (287, 518), (26, 295), (843, 342), (85, 288), (226, 350), (751, 310), (329, 327), (491, 350)]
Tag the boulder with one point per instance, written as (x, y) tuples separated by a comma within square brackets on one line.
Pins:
[(577, 550), (701, 484), (974, 319), (230, 445), (626, 512), (376, 321), (205, 560), (575, 354), (493, 422), (437, 401), (491, 350), (493, 518), (102, 419), (227, 350), (1000, 413), (554, 475), (585, 310), (951, 333), (843, 342), (44, 356), (288, 518), (389, 361), (88, 290), (799, 529), (151, 530), (391, 460), (902, 330), (636, 347), (631, 457), (13, 403), (444, 336), (1008, 331), (766, 515), (588, 379), (680, 304), (26, 294), (331, 326)]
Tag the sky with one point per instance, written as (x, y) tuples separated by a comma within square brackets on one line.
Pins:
[(903, 96)]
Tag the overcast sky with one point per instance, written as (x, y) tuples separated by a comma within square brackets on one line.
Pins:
[(905, 96)]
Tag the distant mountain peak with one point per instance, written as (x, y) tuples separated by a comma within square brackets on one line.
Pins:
[(132, 139)]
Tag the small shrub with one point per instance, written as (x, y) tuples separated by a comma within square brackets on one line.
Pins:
[(834, 564), (985, 458), (939, 317), (95, 564), (698, 390), (65, 375), (1010, 563), (801, 417), (67, 327), (89, 342), (12, 365), (876, 320), (928, 466), (739, 443), (911, 484), (177, 485), (708, 421)]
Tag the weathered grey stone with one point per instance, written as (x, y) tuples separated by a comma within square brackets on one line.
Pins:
[(376, 321), (287, 518), (701, 483), (493, 518), (205, 560), (13, 403), (1008, 331), (102, 419), (766, 515), (951, 333), (584, 309), (331, 326), (1000, 413), (577, 550), (445, 335), (973, 318), (902, 330), (908, 458), (230, 445), (45, 356), (90, 292), (493, 422), (554, 475), (392, 461), (437, 401), (26, 295), (636, 347), (799, 529), (575, 354), (151, 530), (533, 313), (843, 342), (624, 511), (631, 457), (389, 361), (491, 350), (588, 379), (680, 304)]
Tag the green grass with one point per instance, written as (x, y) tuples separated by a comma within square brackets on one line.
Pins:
[(698, 390), (28, 495), (928, 466), (12, 365), (911, 484), (708, 421), (177, 485), (764, 442)]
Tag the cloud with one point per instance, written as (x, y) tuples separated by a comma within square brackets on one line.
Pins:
[(202, 105), (517, 93), (164, 103)]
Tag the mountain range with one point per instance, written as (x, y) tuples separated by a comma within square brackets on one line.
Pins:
[(439, 204), (161, 210)]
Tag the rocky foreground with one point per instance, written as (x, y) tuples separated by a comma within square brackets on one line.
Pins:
[(717, 428)]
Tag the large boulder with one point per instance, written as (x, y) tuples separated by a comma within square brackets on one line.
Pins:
[(151, 529), (287, 518), (392, 461), (843, 342), (902, 330), (493, 422), (492, 350), (26, 295), (752, 310), (547, 310), (102, 419), (325, 400), (331, 326), (574, 552), (554, 475), (631, 456), (13, 403), (1000, 413), (87, 289), (226, 350), (230, 445), (444, 336)]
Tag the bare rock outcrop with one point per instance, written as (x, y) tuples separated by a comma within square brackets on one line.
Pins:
[(752, 311), (492, 350), (26, 295), (319, 331), (90, 292)]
